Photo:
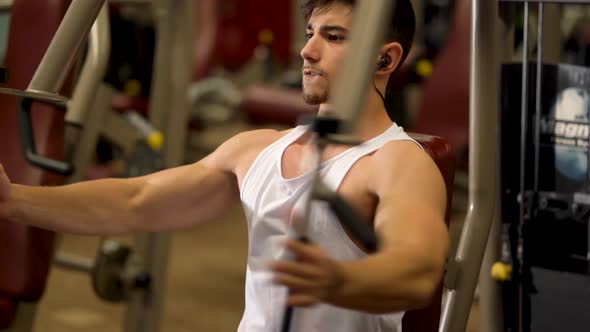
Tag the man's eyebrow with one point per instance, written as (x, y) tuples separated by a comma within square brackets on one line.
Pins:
[(332, 28), (329, 28)]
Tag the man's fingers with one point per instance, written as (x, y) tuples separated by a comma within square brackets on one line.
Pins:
[(301, 300), (295, 268), (293, 283), (305, 251)]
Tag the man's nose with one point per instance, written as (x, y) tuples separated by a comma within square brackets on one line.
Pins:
[(310, 52)]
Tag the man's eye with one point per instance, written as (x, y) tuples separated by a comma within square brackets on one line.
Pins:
[(309, 35), (335, 38)]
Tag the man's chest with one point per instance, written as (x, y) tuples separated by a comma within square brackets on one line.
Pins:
[(354, 186)]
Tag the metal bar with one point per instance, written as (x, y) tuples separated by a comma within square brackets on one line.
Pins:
[(490, 300), (169, 113), (366, 37), (119, 131), (90, 100), (87, 136), (523, 146), (160, 98), (482, 166), (144, 308), (74, 263), (523, 111), (490, 303), (538, 84), (179, 72), (64, 46), (94, 69)]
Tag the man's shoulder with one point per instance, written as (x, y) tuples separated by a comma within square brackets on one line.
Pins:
[(258, 139), (239, 148), (260, 135), (402, 158), (403, 167), (400, 152)]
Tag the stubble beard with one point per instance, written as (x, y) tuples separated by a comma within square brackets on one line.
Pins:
[(315, 98)]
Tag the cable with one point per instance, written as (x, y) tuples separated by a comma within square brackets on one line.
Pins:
[(380, 94)]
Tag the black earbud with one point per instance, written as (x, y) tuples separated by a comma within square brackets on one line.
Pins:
[(384, 62)]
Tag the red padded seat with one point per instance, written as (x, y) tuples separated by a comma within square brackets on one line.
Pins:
[(441, 151), (7, 312), (26, 251)]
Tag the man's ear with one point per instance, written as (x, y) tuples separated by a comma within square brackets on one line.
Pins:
[(389, 59)]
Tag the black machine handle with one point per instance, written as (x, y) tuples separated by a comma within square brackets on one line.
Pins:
[(351, 220), (327, 128), (27, 137)]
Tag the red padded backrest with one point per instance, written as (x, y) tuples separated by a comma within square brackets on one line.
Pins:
[(26, 252), (428, 319), (445, 104), (7, 312)]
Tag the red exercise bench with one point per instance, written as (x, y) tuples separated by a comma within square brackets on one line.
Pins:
[(26, 252)]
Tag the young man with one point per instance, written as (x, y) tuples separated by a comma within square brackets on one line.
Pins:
[(389, 180)]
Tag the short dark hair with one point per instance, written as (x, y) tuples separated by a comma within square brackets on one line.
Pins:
[(401, 29)]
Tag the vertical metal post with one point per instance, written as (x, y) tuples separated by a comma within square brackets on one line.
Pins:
[(490, 306), (180, 68), (169, 112), (366, 37), (523, 149), (538, 105), (162, 75), (482, 167), (490, 299), (65, 45)]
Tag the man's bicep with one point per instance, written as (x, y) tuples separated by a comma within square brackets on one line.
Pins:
[(201, 191), (404, 170), (411, 194), (413, 225), (185, 196)]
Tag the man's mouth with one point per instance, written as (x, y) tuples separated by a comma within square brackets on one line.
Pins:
[(311, 73)]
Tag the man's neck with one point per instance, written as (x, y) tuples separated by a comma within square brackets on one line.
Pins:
[(372, 121)]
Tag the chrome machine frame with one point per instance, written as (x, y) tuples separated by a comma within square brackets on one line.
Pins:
[(488, 30), (88, 107), (462, 270)]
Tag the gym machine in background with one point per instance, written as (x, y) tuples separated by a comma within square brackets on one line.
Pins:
[(119, 273), (536, 194)]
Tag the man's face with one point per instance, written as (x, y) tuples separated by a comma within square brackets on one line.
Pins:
[(327, 33)]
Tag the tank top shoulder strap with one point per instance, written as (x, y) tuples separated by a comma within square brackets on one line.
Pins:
[(339, 169), (267, 160)]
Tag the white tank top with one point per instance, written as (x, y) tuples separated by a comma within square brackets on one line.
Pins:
[(269, 199)]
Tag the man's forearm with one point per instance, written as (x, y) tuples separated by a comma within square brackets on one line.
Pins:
[(388, 282), (101, 207)]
